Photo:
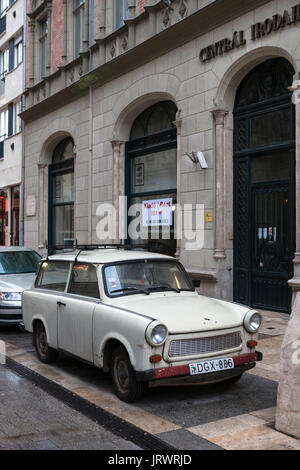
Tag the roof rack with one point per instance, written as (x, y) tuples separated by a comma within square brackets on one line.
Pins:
[(51, 249)]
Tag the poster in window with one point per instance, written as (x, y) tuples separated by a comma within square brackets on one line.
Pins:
[(157, 212), (139, 174)]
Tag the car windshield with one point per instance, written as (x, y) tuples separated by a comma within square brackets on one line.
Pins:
[(145, 277), (19, 262)]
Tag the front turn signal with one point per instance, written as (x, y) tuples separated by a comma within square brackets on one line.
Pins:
[(155, 358), (251, 343)]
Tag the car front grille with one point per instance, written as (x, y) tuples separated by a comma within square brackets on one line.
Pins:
[(210, 344)]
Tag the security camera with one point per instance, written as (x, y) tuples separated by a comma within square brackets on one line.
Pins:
[(201, 160)]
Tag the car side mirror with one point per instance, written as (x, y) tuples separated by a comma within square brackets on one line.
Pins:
[(196, 282)]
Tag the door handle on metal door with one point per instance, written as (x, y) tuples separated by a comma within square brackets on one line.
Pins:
[(61, 304)]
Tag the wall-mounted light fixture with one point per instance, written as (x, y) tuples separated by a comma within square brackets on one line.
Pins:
[(198, 157), (12, 146)]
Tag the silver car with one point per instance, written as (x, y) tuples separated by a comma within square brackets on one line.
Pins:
[(18, 267)]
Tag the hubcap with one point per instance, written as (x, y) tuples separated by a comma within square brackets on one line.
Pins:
[(42, 342), (122, 374)]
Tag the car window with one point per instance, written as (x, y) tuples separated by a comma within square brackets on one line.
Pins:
[(19, 262), (84, 280), (132, 277), (53, 275)]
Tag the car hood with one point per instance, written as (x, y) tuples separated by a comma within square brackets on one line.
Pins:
[(186, 312), (16, 282)]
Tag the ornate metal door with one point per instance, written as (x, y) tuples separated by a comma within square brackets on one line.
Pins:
[(264, 215)]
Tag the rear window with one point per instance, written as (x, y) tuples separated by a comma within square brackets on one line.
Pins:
[(53, 275), (19, 262)]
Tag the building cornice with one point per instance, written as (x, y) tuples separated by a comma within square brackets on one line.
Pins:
[(192, 26)]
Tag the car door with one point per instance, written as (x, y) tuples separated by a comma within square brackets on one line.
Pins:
[(45, 298), (75, 312)]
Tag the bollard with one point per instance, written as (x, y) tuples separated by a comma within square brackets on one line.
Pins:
[(2, 352), (288, 398)]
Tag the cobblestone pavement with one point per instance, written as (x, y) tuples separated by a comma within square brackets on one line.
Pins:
[(220, 416), (32, 419)]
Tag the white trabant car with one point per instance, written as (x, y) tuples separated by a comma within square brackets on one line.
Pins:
[(137, 315)]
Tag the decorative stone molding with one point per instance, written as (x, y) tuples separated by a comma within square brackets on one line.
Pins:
[(295, 281), (219, 116), (118, 170)]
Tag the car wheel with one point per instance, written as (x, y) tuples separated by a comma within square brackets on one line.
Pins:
[(124, 382), (45, 353)]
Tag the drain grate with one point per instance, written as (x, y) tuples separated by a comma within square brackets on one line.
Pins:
[(104, 418)]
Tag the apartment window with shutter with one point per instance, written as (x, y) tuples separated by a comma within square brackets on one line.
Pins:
[(18, 53), (3, 124), (4, 57), (121, 12)]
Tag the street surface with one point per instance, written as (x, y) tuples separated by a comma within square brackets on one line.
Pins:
[(185, 417)]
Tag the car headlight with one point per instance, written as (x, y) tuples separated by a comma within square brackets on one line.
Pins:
[(156, 334), (252, 322), (12, 296)]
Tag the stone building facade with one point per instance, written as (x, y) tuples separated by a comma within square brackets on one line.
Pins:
[(12, 83), (225, 74)]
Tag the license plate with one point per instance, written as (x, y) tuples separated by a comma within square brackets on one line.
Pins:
[(206, 367)]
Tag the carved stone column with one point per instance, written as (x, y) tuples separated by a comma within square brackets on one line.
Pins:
[(118, 166), (220, 115), (43, 204), (295, 282), (178, 124), (132, 9)]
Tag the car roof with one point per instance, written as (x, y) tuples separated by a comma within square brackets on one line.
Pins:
[(4, 249), (107, 255)]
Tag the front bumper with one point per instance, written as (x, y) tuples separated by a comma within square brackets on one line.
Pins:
[(241, 364), (10, 314)]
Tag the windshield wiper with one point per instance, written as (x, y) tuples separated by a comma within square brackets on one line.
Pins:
[(164, 286), (144, 291)]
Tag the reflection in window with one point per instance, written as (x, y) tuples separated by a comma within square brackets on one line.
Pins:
[(270, 128), (78, 13), (121, 12), (53, 275), (84, 280), (43, 37)]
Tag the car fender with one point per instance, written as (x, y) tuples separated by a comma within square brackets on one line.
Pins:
[(122, 340), (42, 320)]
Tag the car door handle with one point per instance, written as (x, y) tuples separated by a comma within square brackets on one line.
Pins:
[(61, 304)]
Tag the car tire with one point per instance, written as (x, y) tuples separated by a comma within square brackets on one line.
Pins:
[(45, 353), (125, 385)]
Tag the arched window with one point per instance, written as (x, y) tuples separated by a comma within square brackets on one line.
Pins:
[(61, 194), (264, 151), (151, 175)]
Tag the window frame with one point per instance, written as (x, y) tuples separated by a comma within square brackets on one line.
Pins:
[(95, 266), (78, 16), (43, 33), (37, 279), (125, 13)]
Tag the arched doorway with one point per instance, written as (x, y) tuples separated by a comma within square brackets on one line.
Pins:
[(151, 175), (61, 194), (264, 199)]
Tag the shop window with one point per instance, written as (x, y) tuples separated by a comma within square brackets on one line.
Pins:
[(151, 169), (15, 215), (3, 218), (121, 12), (61, 194)]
